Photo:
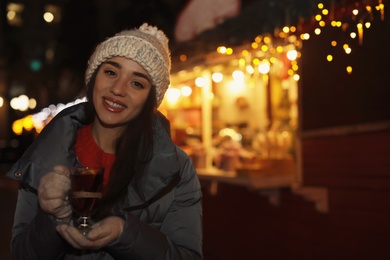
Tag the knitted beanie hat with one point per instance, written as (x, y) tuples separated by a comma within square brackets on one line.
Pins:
[(147, 45)]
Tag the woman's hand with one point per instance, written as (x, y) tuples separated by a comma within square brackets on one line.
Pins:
[(53, 193), (102, 233)]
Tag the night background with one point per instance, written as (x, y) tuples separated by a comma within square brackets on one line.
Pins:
[(47, 61), (83, 24)]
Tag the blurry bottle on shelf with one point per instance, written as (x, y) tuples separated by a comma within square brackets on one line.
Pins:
[(197, 154), (276, 143)]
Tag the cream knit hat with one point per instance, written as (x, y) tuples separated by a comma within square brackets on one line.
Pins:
[(148, 46)]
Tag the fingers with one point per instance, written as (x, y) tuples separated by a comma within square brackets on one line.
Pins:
[(63, 211), (62, 170), (77, 239), (107, 230), (102, 234), (73, 236), (57, 181), (53, 190)]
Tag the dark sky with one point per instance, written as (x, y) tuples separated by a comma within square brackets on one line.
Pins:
[(84, 23)]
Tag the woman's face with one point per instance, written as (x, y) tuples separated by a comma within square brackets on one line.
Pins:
[(121, 89)]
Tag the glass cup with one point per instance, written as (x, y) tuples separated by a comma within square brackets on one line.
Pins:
[(86, 190)]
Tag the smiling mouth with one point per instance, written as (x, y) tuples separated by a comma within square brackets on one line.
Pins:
[(114, 104)]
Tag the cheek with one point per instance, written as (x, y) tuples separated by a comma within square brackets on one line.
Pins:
[(138, 97), (95, 94)]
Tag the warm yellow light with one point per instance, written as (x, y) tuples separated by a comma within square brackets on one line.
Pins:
[(217, 77), (20, 103), (318, 17), (292, 55), (186, 91), (264, 48), (28, 123), (329, 57), (355, 11), (250, 69), (282, 34), (353, 35), (172, 95), (258, 39), (336, 23), (229, 51), (254, 45), (279, 49), (15, 13), (334, 43), (221, 49), (11, 15), (183, 57), (293, 29), (238, 75), (245, 53), (349, 69), (367, 24), (348, 50), (38, 122), (52, 13), (325, 12), (305, 36), (200, 82), (17, 127), (264, 67), (32, 103), (190, 130), (317, 31), (286, 29), (230, 132), (267, 40), (360, 32), (48, 17), (237, 85), (322, 23), (256, 61), (320, 5), (241, 63)]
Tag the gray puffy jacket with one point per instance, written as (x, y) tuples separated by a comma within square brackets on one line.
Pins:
[(166, 224)]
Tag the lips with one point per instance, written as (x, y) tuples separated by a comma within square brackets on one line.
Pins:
[(113, 105)]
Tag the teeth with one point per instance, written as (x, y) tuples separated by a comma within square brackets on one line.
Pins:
[(113, 104)]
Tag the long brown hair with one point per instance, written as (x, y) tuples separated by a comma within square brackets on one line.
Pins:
[(133, 149)]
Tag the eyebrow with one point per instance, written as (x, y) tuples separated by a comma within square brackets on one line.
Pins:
[(136, 73)]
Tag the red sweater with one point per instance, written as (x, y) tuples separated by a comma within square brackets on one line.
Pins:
[(90, 154)]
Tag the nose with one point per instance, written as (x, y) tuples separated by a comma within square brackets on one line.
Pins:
[(118, 88)]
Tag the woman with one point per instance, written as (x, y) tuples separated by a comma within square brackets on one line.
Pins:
[(151, 207)]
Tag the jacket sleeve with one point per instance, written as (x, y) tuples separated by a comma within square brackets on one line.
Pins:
[(180, 234), (34, 235)]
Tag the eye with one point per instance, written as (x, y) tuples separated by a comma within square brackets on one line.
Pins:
[(109, 72), (138, 85)]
